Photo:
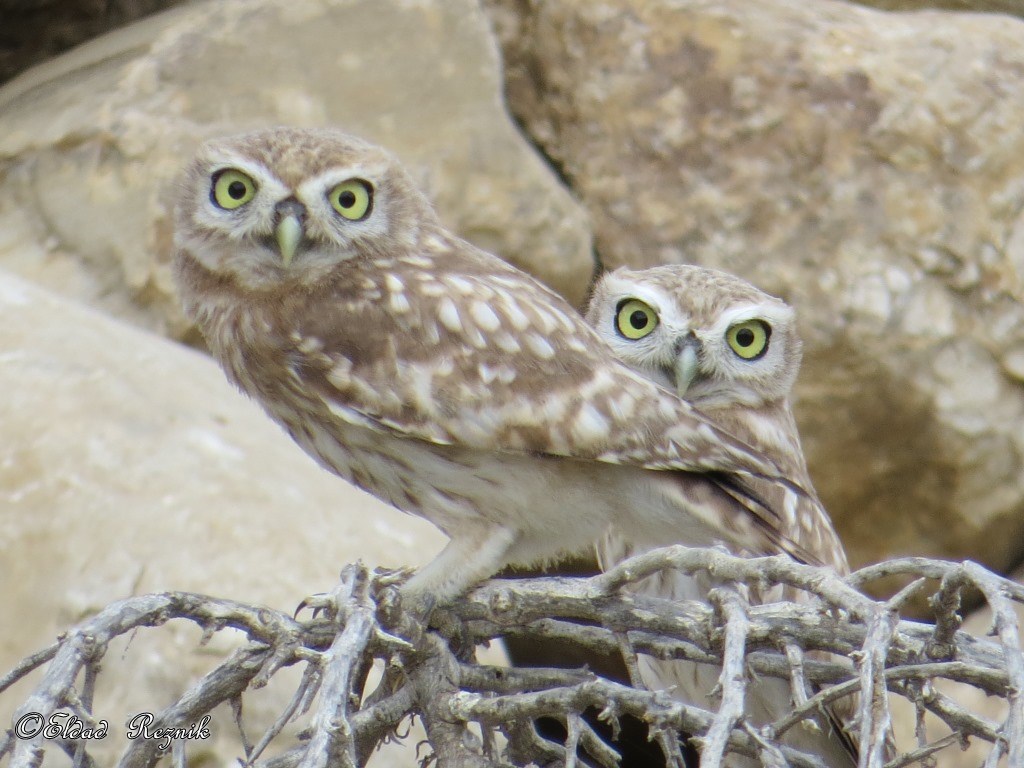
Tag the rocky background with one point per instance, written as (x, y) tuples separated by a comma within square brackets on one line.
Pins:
[(866, 165)]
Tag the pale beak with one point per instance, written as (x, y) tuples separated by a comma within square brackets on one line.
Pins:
[(685, 366), (289, 235)]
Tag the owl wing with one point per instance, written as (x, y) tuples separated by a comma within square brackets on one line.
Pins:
[(493, 361), (770, 505), (790, 521)]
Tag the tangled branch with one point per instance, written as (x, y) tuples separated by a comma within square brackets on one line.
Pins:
[(479, 715)]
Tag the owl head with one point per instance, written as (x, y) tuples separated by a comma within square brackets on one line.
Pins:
[(715, 339), (290, 204)]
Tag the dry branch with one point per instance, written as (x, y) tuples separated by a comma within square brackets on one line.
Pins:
[(431, 677)]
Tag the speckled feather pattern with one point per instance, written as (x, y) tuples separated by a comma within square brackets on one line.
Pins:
[(448, 346), (749, 399), (436, 376), (756, 411)]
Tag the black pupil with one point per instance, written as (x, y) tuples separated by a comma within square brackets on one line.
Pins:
[(744, 337), (236, 189), (347, 199), (638, 319)]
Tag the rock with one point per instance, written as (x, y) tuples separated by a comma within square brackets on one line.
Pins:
[(36, 30), (865, 166), (130, 466), (91, 142), (1012, 7)]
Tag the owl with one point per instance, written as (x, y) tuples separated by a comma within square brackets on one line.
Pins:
[(434, 375), (732, 351)]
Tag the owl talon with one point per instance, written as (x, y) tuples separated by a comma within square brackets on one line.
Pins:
[(394, 642), (388, 577), (321, 602)]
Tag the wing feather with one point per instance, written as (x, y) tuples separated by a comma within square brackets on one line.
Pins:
[(562, 393)]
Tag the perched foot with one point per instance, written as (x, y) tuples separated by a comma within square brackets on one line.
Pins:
[(381, 580), (389, 577), (321, 602), (419, 605), (435, 616)]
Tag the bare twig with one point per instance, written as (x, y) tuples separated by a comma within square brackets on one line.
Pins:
[(222, 684), (733, 680), (807, 644), (995, 591), (919, 754), (604, 754), (28, 664), (946, 604), (798, 682), (874, 718), (333, 742), (310, 680)]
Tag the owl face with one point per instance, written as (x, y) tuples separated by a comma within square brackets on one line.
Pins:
[(292, 206), (712, 337)]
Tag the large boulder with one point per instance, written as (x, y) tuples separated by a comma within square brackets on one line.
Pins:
[(36, 30), (866, 166), (1013, 7), (91, 142), (129, 465)]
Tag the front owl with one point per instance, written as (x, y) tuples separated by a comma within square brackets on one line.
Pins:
[(286, 212), (435, 375)]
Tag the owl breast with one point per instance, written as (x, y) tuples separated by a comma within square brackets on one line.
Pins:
[(455, 487)]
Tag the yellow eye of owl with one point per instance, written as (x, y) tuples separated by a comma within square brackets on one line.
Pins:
[(749, 340), (634, 319), (353, 199), (232, 189)]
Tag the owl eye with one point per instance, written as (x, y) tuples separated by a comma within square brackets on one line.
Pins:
[(749, 340), (353, 199), (232, 189), (634, 319)]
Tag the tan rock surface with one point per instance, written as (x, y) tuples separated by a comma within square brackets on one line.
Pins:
[(866, 166), (91, 142), (129, 465), (1012, 7), (36, 30)]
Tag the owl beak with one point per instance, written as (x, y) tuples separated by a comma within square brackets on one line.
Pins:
[(288, 235), (684, 368)]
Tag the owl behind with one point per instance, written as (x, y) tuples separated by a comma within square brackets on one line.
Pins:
[(701, 316), (732, 351)]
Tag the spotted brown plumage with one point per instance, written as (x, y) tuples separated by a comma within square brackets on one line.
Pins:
[(733, 352), (432, 374)]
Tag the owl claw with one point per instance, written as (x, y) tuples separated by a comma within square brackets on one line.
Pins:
[(387, 577), (320, 602)]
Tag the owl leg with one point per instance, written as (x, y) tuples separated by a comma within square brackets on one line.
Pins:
[(475, 553)]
